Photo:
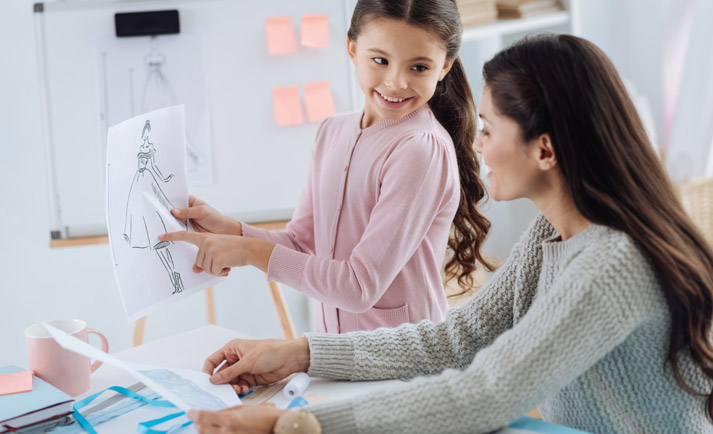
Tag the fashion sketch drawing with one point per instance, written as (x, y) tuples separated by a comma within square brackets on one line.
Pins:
[(143, 224)]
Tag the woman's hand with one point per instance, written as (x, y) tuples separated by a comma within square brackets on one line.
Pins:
[(205, 218), (217, 254), (250, 363), (258, 419)]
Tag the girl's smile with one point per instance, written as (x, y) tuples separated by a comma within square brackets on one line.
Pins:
[(393, 101)]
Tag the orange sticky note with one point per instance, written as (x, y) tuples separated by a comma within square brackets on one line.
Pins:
[(319, 102), (286, 101), (315, 31), (15, 383), (280, 35)]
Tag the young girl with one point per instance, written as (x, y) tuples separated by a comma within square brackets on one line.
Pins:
[(601, 316), (368, 237)]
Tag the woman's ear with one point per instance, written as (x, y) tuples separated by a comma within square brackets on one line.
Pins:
[(446, 67), (544, 152), (351, 50)]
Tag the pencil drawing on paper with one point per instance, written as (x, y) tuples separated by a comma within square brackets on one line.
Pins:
[(144, 221)]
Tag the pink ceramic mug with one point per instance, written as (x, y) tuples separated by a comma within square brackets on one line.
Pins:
[(64, 369)]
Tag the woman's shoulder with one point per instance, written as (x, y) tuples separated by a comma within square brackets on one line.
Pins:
[(613, 246), (612, 260), (538, 231)]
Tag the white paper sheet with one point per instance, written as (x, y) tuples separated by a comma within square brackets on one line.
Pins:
[(146, 178), (186, 389)]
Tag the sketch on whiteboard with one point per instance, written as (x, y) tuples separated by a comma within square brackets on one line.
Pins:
[(146, 179), (142, 74), (142, 224), (159, 93)]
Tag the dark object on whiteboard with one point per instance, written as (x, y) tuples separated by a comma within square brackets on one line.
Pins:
[(146, 23)]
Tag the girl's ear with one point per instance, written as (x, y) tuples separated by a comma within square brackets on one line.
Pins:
[(351, 49), (544, 152), (446, 67)]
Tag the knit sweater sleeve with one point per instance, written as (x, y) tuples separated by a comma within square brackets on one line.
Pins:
[(589, 310), (427, 348)]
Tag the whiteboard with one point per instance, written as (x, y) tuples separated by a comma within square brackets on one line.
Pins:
[(258, 168)]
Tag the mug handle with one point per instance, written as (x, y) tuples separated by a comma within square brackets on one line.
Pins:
[(105, 348)]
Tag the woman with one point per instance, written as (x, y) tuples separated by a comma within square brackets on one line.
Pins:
[(601, 316)]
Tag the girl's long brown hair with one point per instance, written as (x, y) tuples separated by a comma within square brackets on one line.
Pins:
[(453, 106), (567, 87)]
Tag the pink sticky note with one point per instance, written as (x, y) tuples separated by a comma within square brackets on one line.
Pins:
[(286, 101), (318, 100), (280, 35), (15, 383), (315, 31)]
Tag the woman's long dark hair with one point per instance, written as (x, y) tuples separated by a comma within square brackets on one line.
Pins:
[(567, 87), (453, 105)]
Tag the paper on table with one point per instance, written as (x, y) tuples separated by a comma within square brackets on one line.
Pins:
[(18, 382), (146, 178), (286, 102), (280, 35), (314, 31), (186, 389), (318, 100)]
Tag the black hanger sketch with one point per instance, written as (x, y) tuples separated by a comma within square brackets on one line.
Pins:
[(143, 222)]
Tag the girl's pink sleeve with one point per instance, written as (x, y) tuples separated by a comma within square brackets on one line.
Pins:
[(417, 179)]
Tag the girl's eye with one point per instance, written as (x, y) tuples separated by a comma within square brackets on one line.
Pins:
[(380, 60), (419, 68), (482, 132)]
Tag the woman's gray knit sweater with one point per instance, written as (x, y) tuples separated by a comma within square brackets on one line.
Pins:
[(578, 328)]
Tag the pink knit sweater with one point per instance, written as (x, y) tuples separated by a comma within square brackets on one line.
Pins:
[(368, 237)]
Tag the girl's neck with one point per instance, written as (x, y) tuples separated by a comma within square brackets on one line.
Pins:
[(558, 207)]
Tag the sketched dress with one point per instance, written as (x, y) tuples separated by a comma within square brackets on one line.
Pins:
[(143, 222)]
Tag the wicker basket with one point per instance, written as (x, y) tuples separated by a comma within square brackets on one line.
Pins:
[(697, 200)]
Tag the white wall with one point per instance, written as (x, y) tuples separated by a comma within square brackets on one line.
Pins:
[(38, 283), (631, 33)]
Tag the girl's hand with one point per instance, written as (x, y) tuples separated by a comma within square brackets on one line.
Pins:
[(217, 254), (247, 363), (205, 218), (258, 419)]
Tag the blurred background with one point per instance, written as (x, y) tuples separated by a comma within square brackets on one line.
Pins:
[(661, 48)]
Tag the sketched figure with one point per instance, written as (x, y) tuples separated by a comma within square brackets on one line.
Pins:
[(144, 223), (158, 93)]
